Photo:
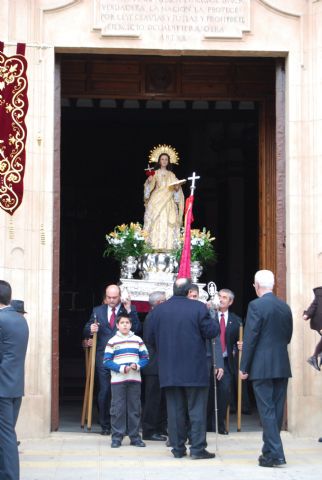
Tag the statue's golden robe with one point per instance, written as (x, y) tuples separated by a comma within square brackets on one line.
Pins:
[(163, 210)]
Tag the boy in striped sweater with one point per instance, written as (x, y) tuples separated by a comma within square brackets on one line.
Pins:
[(125, 354)]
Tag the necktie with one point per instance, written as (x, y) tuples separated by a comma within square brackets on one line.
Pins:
[(112, 318), (222, 333)]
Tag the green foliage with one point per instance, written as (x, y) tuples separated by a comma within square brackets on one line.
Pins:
[(126, 241), (202, 249)]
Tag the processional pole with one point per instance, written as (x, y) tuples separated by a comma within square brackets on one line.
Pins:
[(185, 260), (87, 352), (214, 299), (91, 381), (90, 356), (239, 387)]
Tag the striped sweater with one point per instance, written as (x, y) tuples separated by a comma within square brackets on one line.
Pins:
[(122, 350)]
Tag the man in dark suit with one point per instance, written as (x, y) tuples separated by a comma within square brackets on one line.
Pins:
[(154, 418), (102, 321), (179, 329), (229, 334), (14, 335), (215, 362), (265, 361)]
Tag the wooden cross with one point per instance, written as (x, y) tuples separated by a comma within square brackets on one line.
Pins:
[(193, 184)]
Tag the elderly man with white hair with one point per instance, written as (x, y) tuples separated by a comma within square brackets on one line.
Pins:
[(266, 363)]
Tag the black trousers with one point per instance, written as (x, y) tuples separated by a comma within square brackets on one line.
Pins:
[(154, 418), (104, 392), (270, 397), (126, 410), (183, 401), (9, 458), (223, 392)]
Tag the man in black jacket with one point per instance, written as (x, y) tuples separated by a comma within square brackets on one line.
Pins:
[(265, 361), (179, 329), (102, 321), (14, 335), (154, 418), (229, 334)]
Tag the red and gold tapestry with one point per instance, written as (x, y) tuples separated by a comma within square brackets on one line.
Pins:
[(13, 131)]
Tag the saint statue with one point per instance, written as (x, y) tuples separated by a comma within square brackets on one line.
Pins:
[(163, 199)]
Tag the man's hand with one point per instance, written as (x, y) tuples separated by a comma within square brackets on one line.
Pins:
[(219, 372), (127, 304), (305, 317), (240, 345), (134, 366), (94, 327), (243, 375), (127, 369)]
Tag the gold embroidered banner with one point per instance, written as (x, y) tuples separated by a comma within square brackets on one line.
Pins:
[(13, 131)]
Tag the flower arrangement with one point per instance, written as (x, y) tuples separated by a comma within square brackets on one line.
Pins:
[(202, 249), (126, 241)]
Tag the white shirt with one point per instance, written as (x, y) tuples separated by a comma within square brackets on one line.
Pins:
[(109, 311)]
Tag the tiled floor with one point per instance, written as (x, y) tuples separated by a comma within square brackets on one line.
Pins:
[(87, 456)]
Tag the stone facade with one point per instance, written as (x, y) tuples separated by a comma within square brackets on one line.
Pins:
[(289, 28)]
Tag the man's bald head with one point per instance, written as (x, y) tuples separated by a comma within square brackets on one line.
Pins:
[(112, 295), (181, 287)]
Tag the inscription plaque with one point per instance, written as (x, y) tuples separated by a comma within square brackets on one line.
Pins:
[(180, 21)]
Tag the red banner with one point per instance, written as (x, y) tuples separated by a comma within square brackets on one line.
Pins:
[(185, 260), (13, 131)]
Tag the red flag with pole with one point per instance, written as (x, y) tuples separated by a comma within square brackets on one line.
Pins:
[(185, 260)]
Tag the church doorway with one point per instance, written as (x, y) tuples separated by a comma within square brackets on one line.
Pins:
[(229, 140)]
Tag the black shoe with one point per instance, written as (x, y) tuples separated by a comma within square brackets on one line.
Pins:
[(115, 444), (137, 443), (270, 462), (202, 455), (313, 361), (320, 440), (222, 431), (106, 431), (18, 443), (156, 437), (179, 454)]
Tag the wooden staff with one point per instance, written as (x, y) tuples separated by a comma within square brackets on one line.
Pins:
[(87, 373), (239, 386), (91, 382)]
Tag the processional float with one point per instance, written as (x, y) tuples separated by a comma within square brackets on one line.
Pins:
[(158, 270)]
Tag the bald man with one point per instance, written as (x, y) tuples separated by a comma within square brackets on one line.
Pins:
[(105, 316)]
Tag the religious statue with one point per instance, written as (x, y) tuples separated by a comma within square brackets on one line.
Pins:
[(163, 199)]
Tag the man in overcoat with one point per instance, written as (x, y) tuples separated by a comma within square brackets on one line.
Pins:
[(179, 328), (265, 362), (14, 334)]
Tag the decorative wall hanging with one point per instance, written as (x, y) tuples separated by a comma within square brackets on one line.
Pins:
[(13, 131)]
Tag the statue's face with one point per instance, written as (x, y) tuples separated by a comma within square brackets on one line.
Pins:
[(164, 161)]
